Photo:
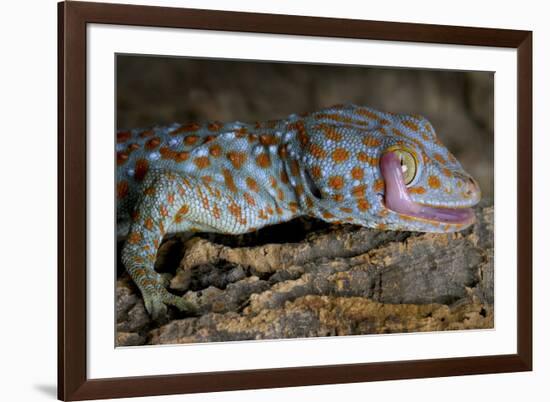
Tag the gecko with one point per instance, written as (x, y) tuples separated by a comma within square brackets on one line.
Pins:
[(342, 164)]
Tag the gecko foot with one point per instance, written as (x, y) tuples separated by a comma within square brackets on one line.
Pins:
[(158, 299)]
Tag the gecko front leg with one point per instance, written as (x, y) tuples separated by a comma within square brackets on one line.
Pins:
[(164, 195)]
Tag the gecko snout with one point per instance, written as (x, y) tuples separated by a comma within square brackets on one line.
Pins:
[(472, 190)]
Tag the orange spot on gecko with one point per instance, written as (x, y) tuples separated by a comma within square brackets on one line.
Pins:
[(134, 238), (214, 126), (167, 153), (340, 155), (366, 158), (282, 151), (446, 172), (262, 214), (237, 159), (251, 183), (410, 124), (284, 177), (367, 113), (181, 156), (215, 150), (316, 172), (202, 162), (134, 215), (417, 190), (204, 199), (235, 210), (190, 139), (123, 136), (148, 224), (268, 140), (346, 210), (302, 134), (330, 132), (338, 197), (363, 205), (142, 167), (293, 207), (397, 132), (372, 142), (341, 118), (170, 198), (357, 173), (280, 194), (440, 159), (184, 209), (249, 199), (327, 215), (378, 185), (294, 168), (152, 143), (263, 160), (163, 210), (216, 211), (133, 147), (316, 151), (121, 158), (433, 182), (336, 182), (122, 189), (186, 128), (162, 231), (146, 133), (228, 177), (359, 191)]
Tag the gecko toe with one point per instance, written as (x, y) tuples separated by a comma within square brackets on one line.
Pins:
[(157, 302)]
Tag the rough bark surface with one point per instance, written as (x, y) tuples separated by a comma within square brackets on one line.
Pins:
[(329, 280)]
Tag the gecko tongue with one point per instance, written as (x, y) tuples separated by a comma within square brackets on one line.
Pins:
[(398, 200)]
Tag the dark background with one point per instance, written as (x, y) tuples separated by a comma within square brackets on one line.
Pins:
[(162, 90)]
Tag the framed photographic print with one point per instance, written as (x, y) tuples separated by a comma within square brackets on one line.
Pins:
[(253, 200)]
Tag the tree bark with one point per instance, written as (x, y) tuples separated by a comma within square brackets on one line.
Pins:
[(330, 280)]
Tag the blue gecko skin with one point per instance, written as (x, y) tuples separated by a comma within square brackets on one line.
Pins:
[(237, 177)]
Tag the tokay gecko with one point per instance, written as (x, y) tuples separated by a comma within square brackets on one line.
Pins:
[(343, 164)]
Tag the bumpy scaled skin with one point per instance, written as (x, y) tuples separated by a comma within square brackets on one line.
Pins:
[(237, 177)]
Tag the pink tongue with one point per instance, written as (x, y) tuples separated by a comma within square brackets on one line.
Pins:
[(398, 200)]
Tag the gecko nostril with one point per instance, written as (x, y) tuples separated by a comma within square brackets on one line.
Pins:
[(472, 186)]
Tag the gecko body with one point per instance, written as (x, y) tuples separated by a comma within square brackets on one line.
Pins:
[(343, 164)]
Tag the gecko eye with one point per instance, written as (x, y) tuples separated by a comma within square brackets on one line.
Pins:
[(408, 165)]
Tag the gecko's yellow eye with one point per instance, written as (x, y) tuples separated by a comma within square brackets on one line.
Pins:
[(408, 165)]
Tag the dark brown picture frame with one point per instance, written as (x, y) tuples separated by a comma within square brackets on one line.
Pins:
[(73, 383)]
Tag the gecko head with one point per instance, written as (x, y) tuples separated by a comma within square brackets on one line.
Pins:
[(424, 182)]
